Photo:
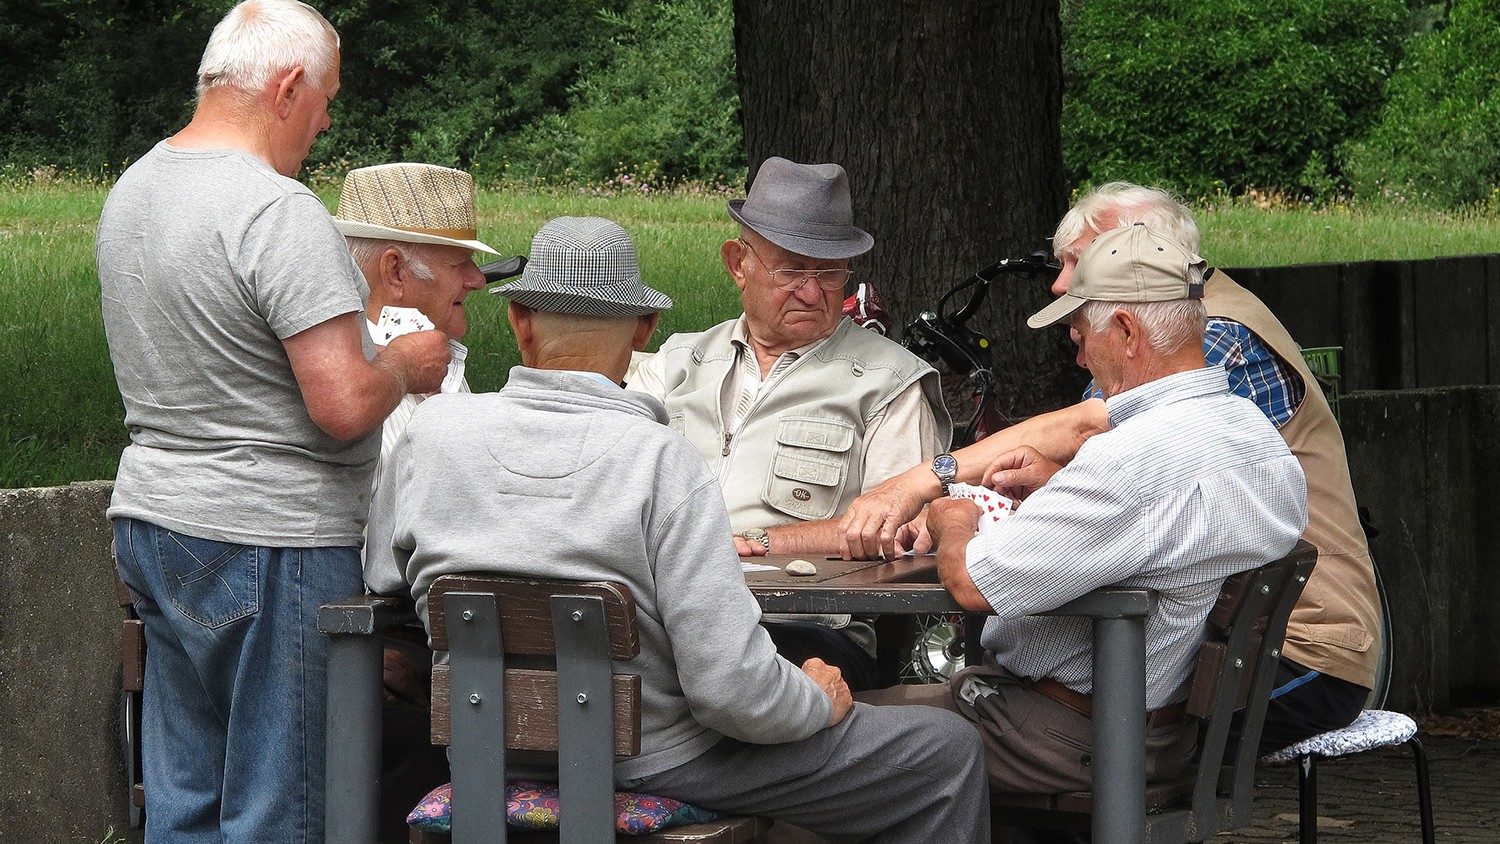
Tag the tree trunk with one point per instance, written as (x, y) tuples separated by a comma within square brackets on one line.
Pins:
[(946, 116)]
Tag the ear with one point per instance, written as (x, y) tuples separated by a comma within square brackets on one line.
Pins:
[(645, 326), (389, 268), (523, 327), (288, 88), (733, 253), (1135, 335)]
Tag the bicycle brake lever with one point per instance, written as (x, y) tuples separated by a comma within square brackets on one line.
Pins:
[(503, 269)]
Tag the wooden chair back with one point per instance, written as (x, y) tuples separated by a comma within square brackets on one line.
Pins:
[(565, 700)]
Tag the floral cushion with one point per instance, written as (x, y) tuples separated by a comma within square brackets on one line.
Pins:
[(534, 806)]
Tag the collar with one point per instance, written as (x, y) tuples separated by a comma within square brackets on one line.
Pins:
[(1192, 384), (586, 389), (740, 337)]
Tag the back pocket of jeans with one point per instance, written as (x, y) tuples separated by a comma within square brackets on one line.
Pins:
[(211, 582)]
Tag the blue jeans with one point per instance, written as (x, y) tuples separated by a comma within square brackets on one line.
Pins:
[(232, 724)]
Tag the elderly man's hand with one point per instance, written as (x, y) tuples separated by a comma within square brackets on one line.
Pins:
[(831, 681), (746, 548), (913, 535), (869, 525), (420, 360), (952, 522), (1019, 472)]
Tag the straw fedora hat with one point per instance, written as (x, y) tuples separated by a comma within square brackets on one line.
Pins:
[(584, 265), (410, 203), (803, 208)]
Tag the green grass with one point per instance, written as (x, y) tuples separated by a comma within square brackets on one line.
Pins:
[(61, 419)]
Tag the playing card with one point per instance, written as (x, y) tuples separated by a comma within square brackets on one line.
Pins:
[(395, 322), (994, 507)]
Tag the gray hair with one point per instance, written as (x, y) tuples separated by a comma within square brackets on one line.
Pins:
[(1169, 325), (260, 38), (1117, 204), (368, 249)]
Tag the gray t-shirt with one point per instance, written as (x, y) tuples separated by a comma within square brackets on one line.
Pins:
[(208, 259)]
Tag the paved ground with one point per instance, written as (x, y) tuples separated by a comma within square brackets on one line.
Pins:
[(1373, 797)]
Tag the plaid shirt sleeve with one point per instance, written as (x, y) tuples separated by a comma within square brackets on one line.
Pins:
[(1254, 371)]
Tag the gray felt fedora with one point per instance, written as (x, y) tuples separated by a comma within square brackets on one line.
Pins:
[(803, 208), (584, 265)]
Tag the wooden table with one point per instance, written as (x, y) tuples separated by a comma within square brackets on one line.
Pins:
[(867, 587), (910, 585)]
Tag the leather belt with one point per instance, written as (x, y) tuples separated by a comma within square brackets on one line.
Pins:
[(1084, 704)]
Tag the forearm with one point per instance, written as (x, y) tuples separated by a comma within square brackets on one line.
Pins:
[(1056, 435), (820, 537), (358, 403), (953, 573)]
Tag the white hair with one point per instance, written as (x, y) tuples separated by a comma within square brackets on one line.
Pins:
[(260, 38), (1169, 325), (1116, 204), (368, 250)]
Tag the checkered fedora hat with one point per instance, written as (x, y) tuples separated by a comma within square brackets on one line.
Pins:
[(584, 265)]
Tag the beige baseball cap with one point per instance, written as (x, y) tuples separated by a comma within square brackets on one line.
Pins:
[(1128, 264)]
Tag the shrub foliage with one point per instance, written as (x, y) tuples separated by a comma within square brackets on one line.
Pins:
[(1222, 94), (1437, 141)]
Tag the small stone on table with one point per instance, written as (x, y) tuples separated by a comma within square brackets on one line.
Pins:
[(801, 568)]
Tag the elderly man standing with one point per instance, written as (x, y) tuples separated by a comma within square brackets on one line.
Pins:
[(232, 311), (1190, 485), (727, 724), (796, 409)]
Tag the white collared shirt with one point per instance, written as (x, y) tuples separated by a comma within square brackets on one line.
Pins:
[(1191, 485)]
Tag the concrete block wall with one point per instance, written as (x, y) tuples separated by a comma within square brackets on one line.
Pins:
[(61, 775)]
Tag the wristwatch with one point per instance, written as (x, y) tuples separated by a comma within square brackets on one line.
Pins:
[(945, 466), (758, 535)]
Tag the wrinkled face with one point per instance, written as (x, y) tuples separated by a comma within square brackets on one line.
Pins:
[(784, 318), (1068, 256), (454, 277), (1100, 352)]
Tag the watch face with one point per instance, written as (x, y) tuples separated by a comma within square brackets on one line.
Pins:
[(945, 465)]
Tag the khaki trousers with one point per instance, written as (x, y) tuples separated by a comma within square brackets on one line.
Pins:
[(1032, 743)]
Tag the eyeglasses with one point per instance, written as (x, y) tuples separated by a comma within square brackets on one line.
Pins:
[(789, 280)]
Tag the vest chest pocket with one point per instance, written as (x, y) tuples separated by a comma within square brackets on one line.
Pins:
[(810, 466)]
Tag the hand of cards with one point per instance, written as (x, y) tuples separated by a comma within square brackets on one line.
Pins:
[(395, 322), (994, 507)]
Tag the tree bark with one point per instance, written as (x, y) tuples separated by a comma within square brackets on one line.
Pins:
[(946, 116)]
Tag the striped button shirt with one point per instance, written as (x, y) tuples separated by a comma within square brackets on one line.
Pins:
[(1191, 485), (1254, 371)]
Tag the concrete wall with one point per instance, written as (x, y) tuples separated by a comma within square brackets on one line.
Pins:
[(1427, 465), (1403, 324), (62, 776)]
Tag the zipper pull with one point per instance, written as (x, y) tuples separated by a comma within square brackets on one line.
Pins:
[(725, 452)]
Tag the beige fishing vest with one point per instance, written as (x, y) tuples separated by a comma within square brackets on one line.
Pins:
[(1335, 625), (798, 454)]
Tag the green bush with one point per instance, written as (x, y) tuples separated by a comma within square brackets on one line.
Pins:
[(661, 106), (1208, 95), (1437, 141)]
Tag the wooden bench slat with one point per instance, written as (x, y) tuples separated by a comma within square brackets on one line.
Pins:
[(531, 710), (526, 612)]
